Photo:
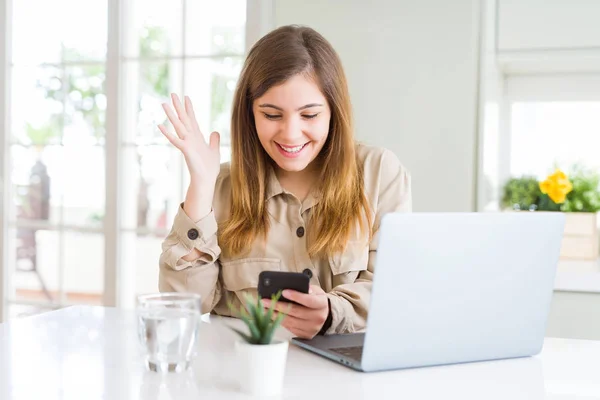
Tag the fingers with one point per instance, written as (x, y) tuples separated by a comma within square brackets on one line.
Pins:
[(314, 301), (297, 327), (183, 117), (304, 328), (302, 334), (294, 323), (184, 121), (175, 141), (289, 309), (215, 140), (315, 289), (177, 124), (189, 109)]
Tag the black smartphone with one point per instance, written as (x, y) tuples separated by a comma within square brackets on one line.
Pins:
[(271, 282)]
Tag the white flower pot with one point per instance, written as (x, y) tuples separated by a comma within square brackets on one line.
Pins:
[(261, 367)]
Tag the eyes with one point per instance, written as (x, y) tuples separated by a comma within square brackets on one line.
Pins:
[(276, 117)]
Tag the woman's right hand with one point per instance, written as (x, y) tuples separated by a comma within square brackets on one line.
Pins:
[(202, 158)]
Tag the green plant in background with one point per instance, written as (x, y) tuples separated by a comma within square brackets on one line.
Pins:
[(259, 321), (154, 42), (81, 89), (585, 196), (42, 135), (579, 191), (521, 193), (545, 203)]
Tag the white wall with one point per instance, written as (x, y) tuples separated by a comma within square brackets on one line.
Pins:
[(542, 25), (550, 37), (412, 68)]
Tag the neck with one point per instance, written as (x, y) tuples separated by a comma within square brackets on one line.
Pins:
[(298, 182), (305, 176)]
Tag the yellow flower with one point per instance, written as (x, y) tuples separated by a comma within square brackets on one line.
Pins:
[(556, 186)]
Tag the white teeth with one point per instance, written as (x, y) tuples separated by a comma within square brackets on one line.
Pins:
[(292, 149)]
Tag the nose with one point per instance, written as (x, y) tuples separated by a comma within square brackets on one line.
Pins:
[(292, 130)]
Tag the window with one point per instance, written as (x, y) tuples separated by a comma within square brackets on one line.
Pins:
[(540, 122), (56, 153), (195, 48), (549, 133), (554, 121), (58, 139)]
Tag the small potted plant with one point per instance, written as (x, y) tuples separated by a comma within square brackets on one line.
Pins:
[(261, 359), (578, 196)]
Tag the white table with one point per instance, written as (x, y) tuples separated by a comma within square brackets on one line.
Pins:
[(92, 353)]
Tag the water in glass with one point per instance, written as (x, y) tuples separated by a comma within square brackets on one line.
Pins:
[(168, 329)]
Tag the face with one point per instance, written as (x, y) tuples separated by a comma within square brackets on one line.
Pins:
[(292, 121)]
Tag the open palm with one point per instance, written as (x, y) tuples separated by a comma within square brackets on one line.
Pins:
[(202, 158)]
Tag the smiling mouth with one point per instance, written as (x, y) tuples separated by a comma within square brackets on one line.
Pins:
[(291, 149)]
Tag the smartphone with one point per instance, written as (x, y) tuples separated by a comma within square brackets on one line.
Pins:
[(271, 282)]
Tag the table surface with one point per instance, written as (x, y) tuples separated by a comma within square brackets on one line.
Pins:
[(92, 353)]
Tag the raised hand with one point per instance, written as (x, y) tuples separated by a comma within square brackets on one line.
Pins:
[(202, 158)]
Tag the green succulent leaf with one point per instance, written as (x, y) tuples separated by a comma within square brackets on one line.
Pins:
[(243, 335), (272, 328), (260, 322), (254, 331)]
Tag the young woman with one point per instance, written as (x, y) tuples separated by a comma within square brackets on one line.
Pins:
[(299, 191)]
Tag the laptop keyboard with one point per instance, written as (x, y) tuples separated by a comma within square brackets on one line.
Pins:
[(350, 352)]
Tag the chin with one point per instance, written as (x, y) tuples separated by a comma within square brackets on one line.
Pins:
[(288, 166)]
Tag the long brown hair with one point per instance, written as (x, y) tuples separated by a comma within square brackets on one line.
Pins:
[(342, 206)]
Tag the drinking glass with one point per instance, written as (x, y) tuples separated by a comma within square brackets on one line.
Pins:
[(168, 326)]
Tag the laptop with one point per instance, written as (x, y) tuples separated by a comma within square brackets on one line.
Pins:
[(453, 288)]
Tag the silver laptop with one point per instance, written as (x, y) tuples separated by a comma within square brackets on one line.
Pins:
[(452, 288)]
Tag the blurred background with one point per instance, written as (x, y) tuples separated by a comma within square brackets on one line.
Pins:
[(86, 83), (481, 100)]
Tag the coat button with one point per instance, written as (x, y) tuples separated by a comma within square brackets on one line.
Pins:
[(300, 231), (193, 234)]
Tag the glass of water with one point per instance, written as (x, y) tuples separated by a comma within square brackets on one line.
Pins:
[(168, 326)]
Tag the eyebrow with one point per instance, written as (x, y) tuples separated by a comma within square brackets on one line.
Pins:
[(267, 105)]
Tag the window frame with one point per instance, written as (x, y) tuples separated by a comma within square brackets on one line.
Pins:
[(119, 278), (5, 79)]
